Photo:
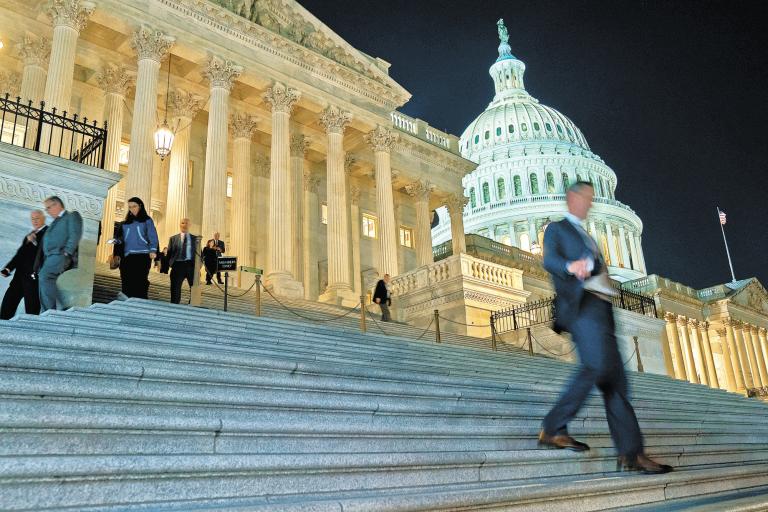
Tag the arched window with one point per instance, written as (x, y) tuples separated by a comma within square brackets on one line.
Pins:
[(501, 191), (477, 139), (566, 184), (550, 183), (524, 127), (518, 185), (536, 126), (534, 184), (486, 193), (487, 134), (472, 198), (511, 128), (498, 131), (548, 127)]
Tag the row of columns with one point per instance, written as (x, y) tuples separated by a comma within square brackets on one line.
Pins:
[(689, 355)]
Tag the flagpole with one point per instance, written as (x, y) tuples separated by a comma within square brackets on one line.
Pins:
[(727, 252)]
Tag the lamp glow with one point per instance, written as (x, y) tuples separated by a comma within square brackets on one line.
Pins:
[(163, 140), (535, 248)]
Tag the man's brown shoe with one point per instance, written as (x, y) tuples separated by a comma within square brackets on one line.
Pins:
[(643, 464), (561, 442)]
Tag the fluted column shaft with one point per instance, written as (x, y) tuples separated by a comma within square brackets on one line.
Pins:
[(176, 203), (308, 223), (420, 191), (611, 245), (736, 354), (299, 145), (633, 251), (240, 232), (763, 342), (641, 257), (709, 358), (456, 206), (58, 86), (689, 360), (675, 367), (743, 356), (385, 207), (701, 369), (593, 232), (356, 223), (759, 360), (34, 54), (753, 367), (115, 83), (623, 247), (730, 379)]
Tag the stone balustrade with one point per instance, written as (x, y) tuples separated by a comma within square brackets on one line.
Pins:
[(423, 131)]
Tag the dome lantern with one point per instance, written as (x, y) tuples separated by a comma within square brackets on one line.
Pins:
[(507, 72)]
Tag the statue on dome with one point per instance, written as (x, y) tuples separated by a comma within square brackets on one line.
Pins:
[(503, 33)]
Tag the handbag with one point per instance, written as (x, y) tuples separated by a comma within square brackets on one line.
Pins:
[(114, 261)]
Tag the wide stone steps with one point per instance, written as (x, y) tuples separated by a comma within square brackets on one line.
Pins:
[(141, 405)]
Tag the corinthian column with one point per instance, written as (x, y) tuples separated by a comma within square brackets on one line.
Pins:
[(356, 221), (69, 17), (633, 251), (639, 245), (152, 47), (763, 342), (309, 259), (689, 361), (240, 234), (261, 229), (623, 247), (299, 145), (674, 339), (221, 74), (115, 82), (746, 370), (693, 332), (611, 245), (733, 347), (339, 288), (382, 141), (34, 54), (280, 278), (456, 204), (420, 191), (184, 107), (730, 379), (709, 359), (751, 330)]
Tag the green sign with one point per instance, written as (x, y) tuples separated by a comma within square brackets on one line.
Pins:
[(252, 270)]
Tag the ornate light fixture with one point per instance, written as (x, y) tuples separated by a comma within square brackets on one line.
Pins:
[(164, 135)]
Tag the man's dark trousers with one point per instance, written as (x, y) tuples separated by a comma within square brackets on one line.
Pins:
[(180, 271), (21, 286), (593, 334)]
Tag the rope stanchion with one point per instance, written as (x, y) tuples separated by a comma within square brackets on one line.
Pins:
[(630, 357), (257, 282), (290, 310), (549, 351), (462, 323), (437, 326)]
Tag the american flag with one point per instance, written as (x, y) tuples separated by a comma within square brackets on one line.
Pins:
[(722, 218)]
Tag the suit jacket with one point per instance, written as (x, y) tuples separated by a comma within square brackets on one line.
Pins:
[(220, 245), (381, 292), (174, 247), (23, 262), (63, 235), (562, 244)]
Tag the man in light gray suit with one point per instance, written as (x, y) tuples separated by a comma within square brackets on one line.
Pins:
[(59, 248)]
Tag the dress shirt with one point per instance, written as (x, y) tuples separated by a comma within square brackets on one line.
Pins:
[(577, 223)]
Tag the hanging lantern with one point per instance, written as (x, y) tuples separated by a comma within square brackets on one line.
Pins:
[(163, 140)]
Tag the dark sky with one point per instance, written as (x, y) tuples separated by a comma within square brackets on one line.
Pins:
[(671, 94)]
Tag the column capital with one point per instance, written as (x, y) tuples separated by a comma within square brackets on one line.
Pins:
[(335, 120), (151, 44), (114, 80), (354, 194), (753, 328), (281, 98), (242, 125), (693, 323), (670, 317), (721, 331), (34, 52), (682, 321), (705, 325), (184, 104), (456, 203), (349, 161), (70, 13), (262, 166), (420, 189), (221, 73), (10, 82), (299, 145), (381, 139), (310, 181)]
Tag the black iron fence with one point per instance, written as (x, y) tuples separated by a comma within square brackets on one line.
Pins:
[(52, 133)]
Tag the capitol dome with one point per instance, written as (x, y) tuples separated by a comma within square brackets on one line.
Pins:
[(527, 155)]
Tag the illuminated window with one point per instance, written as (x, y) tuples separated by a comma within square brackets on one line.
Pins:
[(550, 183), (406, 237), (369, 225), (536, 126), (229, 185), (477, 139), (534, 184), (548, 127), (498, 132), (511, 128), (518, 186), (524, 127), (324, 213), (487, 134), (125, 150), (486, 193), (501, 190)]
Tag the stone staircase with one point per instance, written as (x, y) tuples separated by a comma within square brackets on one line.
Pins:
[(144, 405)]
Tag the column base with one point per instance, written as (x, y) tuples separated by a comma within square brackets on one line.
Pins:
[(342, 295), (284, 285)]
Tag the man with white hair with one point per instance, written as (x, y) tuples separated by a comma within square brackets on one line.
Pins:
[(24, 283)]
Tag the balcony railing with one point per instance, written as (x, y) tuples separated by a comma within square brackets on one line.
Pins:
[(540, 198), (422, 130), (52, 133)]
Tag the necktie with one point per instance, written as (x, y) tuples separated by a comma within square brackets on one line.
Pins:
[(184, 247)]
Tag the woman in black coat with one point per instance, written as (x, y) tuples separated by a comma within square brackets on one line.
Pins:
[(210, 260)]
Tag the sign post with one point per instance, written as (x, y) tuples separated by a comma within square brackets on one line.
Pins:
[(226, 263)]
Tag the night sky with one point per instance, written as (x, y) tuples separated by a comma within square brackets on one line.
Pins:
[(671, 94)]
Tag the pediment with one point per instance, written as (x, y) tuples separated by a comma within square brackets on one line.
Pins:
[(753, 296)]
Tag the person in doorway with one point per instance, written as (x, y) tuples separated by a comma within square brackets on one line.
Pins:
[(137, 245), (59, 252), (181, 259), (383, 297), (578, 271), (24, 282)]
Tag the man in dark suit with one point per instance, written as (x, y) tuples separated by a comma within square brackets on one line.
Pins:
[(60, 249), (572, 257), (383, 298), (181, 259), (220, 248), (24, 282)]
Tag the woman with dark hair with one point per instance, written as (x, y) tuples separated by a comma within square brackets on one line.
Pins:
[(136, 244), (210, 260)]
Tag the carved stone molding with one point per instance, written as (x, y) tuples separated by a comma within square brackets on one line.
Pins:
[(151, 44), (419, 189), (221, 73), (34, 52), (693, 323), (281, 98), (682, 321), (670, 317), (299, 145), (349, 161), (381, 139), (242, 125), (354, 194), (262, 166), (32, 193), (721, 332), (10, 82), (70, 13), (184, 104), (311, 181), (456, 203), (114, 80), (335, 120)]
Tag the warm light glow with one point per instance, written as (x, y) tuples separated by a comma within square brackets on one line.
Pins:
[(125, 150), (2, 45), (535, 248), (163, 140)]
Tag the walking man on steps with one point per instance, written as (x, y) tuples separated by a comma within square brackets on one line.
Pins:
[(60, 249), (24, 282), (579, 274), (383, 298), (181, 259)]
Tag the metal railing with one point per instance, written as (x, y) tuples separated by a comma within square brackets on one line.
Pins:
[(52, 133)]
